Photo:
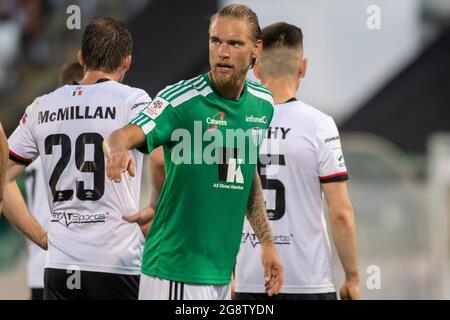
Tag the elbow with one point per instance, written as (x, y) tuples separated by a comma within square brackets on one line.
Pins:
[(342, 215)]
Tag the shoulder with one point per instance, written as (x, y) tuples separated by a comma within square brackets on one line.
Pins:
[(313, 114), (125, 91), (307, 118), (259, 91), (47, 98), (321, 122), (184, 91)]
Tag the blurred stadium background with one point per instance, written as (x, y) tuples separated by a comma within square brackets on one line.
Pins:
[(388, 89)]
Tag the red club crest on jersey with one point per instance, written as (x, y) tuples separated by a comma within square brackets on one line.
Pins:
[(157, 104)]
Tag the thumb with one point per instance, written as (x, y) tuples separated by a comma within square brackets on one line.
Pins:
[(131, 168), (344, 293), (133, 218), (142, 217)]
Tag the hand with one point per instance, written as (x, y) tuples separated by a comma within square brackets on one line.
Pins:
[(350, 290), (118, 161), (143, 218), (233, 288), (273, 270)]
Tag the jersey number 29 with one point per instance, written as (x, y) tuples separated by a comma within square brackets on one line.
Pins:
[(97, 167)]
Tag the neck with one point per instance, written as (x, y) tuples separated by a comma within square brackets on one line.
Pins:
[(282, 88), (230, 92), (92, 76)]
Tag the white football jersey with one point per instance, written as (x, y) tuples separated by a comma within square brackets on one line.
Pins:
[(301, 151), (38, 206), (66, 129)]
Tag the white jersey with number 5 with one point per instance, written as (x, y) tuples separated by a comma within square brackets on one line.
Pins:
[(38, 206), (66, 129), (303, 149)]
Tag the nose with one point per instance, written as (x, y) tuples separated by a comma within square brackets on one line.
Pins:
[(224, 51)]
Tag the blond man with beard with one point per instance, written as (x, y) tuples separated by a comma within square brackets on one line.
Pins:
[(191, 247)]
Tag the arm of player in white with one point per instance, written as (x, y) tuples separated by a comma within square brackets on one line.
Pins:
[(16, 211), (342, 224)]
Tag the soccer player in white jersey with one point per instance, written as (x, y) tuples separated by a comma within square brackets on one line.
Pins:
[(92, 252), (37, 202), (300, 159), (3, 162)]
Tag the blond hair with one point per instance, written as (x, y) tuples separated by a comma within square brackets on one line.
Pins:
[(240, 11)]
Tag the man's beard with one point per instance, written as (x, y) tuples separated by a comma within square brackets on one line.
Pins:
[(232, 80)]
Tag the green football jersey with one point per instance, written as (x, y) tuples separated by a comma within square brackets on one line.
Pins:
[(211, 145)]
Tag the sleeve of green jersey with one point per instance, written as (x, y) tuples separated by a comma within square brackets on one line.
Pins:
[(157, 120)]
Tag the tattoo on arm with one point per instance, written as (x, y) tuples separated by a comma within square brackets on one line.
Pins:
[(256, 212)]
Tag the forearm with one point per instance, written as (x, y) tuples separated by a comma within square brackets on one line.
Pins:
[(15, 210), (342, 224), (126, 138), (257, 214)]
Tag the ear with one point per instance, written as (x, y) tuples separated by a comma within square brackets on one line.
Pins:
[(257, 70), (126, 64), (258, 49), (303, 67), (80, 58)]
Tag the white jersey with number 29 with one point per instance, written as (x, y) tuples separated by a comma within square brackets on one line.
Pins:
[(66, 128)]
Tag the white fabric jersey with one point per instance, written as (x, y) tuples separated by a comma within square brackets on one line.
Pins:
[(66, 129), (304, 150), (38, 206)]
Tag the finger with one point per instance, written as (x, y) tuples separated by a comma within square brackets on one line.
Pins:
[(131, 168), (343, 294), (277, 281), (108, 169), (134, 218), (118, 169), (274, 287), (113, 168), (267, 275), (143, 217)]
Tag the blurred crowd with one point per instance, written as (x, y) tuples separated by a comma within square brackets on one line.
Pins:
[(35, 43)]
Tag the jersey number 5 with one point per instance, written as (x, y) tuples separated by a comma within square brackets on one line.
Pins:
[(273, 184), (97, 167)]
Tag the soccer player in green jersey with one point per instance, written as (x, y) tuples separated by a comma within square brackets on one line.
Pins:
[(211, 180)]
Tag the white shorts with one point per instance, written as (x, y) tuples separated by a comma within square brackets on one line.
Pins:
[(151, 288)]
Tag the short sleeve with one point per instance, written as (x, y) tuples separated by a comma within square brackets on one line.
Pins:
[(157, 120), (332, 167), (137, 102), (23, 148)]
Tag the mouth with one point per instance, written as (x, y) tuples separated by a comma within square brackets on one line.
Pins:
[(224, 67)]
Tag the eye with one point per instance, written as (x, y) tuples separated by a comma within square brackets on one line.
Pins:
[(214, 41)]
